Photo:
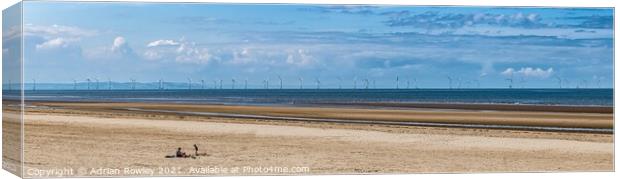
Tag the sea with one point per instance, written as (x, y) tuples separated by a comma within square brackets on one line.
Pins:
[(570, 97)]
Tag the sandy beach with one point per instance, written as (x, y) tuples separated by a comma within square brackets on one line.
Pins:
[(11, 138), (90, 137)]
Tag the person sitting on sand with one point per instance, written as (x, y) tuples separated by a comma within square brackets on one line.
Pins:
[(181, 154), (196, 148)]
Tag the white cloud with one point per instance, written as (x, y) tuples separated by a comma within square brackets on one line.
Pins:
[(152, 55), (192, 55), (536, 72), (11, 32), (189, 53), (118, 50), (243, 57), (162, 43), (118, 43), (121, 46), (300, 58), (508, 72), (54, 36), (53, 43), (54, 31), (182, 48), (186, 52), (529, 72)]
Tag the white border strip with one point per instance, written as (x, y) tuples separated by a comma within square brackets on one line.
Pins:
[(526, 3)]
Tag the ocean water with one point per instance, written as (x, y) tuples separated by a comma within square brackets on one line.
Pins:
[(591, 97)]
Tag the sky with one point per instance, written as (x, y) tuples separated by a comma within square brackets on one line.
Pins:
[(338, 45)]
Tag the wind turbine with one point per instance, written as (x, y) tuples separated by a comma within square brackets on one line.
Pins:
[(214, 84), (450, 82), (97, 84), (510, 80), (74, 84), (265, 84), (397, 82), (567, 82), (318, 83), (585, 83), (467, 84), (415, 83), (221, 83), (355, 82), (245, 85), (189, 83), (202, 82), (280, 78), (34, 84), (407, 83), (109, 84), (161, 87), (132, 84), (301, 83), (233, 83), (598, 83), (339, 83), (559, 81), (367, 83), (88, 83), (374, 85)]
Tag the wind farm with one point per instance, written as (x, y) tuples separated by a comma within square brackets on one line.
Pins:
[(555, 82)]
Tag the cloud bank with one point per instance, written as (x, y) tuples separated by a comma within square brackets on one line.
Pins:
[(529, 72)]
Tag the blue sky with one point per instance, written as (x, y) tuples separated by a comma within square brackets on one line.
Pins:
[(475, 46)]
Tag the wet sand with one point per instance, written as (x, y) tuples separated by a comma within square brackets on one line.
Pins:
[(479, 116), (87, 136), (495, 107)]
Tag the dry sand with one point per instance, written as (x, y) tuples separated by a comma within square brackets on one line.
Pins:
[(89, 138), (11, 140)]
